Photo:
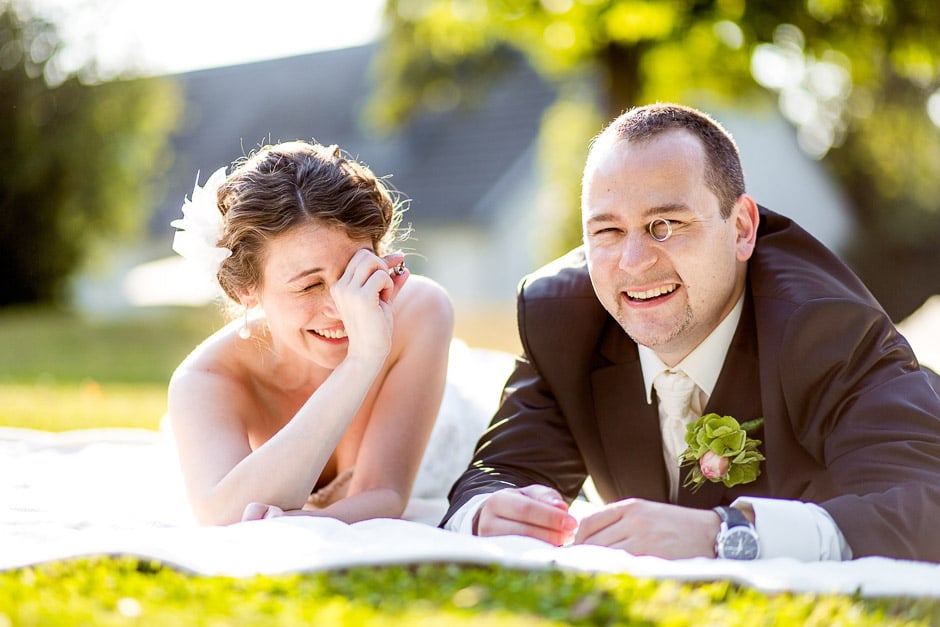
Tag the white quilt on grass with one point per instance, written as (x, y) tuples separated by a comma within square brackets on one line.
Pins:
[(117, 492)]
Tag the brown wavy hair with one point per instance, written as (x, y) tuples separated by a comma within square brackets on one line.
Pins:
[(289, 184)]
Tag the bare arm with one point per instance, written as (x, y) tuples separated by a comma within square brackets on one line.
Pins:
[(223, 474), (209, 409), (404, 410)]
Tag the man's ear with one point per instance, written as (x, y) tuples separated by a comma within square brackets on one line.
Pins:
[(746, 219)]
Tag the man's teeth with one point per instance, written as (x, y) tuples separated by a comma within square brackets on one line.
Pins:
[(653, 293), (333, 334)]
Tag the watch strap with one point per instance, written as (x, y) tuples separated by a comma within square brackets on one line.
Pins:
[(732, 516)]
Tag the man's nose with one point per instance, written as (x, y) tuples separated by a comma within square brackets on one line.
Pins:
[(638, 251)]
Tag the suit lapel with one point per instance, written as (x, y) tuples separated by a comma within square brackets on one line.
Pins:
[(628, 426), (737, 394)]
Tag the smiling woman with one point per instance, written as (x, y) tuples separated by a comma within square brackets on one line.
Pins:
[(322, 402)]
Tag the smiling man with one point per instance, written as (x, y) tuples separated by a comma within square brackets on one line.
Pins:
[(691, 311)]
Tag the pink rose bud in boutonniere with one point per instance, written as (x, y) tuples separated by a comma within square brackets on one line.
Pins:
[(720, 450), (714, 467)]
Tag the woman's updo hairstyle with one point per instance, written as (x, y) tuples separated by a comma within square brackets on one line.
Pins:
[(289, 184)]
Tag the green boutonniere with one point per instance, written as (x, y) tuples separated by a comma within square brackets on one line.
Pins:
[(720, 450)]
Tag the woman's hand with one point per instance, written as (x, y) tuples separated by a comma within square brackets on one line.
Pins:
[(399, 274), (363, 297), (260, 511)]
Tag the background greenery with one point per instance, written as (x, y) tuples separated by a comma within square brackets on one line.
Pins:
[(79, 164)]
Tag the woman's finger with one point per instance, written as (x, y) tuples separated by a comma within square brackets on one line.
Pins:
[(361, 267)]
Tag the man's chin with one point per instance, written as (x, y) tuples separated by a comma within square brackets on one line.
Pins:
[(655, 338)]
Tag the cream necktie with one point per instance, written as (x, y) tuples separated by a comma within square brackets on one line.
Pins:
[(674, 390)]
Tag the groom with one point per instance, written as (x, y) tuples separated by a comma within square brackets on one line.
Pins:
[(688, 299)]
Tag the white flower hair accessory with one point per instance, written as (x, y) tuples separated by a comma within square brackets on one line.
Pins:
[(200, 228)]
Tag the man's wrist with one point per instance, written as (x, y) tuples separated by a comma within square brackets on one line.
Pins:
[(463, 520), (712, 530)]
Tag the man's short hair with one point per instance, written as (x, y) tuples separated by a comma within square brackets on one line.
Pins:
[(723, 173)]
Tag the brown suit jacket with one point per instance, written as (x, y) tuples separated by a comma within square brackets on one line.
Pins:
[(851, 421)]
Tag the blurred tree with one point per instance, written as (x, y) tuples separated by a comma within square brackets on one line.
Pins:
[(858, 79), (78, 163)]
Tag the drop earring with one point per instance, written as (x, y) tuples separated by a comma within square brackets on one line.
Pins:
[(245, 331)]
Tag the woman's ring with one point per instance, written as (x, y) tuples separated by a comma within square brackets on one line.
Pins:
[(400, 269)]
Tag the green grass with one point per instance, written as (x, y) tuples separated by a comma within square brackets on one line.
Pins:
[(127, 591), (63, 406), (61, 371), (49, 346)]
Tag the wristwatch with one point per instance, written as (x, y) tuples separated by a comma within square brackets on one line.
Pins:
[(737, 538)]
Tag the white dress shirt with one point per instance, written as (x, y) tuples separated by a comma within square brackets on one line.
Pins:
[(786, 528)]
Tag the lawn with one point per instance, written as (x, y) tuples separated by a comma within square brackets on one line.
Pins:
[(62, 371), (65, 371)]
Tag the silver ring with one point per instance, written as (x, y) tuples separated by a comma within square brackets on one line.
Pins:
[(655, 225), (399, 269)]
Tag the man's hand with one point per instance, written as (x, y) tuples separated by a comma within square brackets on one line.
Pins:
[(649, 528), (536, 511)]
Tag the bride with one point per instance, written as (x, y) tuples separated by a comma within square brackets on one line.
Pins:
[(319, 398)]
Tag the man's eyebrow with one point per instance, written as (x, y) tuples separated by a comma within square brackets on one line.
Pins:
[(650, 213), (667, 209)]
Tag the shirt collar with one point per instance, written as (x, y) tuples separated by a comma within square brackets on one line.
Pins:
[(703, 364)]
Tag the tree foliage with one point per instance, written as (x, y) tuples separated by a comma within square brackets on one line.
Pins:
[(78, 163), (858, 80)]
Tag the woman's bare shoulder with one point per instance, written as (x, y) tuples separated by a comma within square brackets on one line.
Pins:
[(216, 367), (424, 315), (421, 293)]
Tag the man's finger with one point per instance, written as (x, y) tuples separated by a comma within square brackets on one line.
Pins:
[(517, 512), (545, 494), (595, 523)]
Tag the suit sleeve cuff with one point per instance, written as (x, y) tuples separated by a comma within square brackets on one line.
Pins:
[(462, 520), (803, 531)]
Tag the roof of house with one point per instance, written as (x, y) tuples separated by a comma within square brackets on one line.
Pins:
[(444, 162)]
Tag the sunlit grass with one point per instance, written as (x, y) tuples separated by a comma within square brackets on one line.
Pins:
[(50, 346), (63, 406), (60, 370), (128, 591)]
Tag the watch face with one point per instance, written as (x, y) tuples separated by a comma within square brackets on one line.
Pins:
[(739, 543)]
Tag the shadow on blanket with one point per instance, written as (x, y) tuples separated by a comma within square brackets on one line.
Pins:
[(118, 492)]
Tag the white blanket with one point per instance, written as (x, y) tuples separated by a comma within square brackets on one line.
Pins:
[(117, 491)]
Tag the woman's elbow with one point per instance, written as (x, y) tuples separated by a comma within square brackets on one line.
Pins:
[(391, 503)]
